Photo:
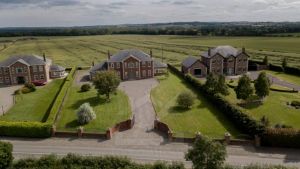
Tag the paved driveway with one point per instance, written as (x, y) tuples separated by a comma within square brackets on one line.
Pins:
[(6, 97), (142, 133)]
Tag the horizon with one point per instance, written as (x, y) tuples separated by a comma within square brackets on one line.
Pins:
[(72, 13)]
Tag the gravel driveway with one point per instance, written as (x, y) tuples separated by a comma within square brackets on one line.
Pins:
[(6, 97), (142, 132)]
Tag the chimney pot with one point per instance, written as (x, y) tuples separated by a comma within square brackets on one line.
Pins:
[(151, 53), (108, 55), (244, 49), (44, 57), (209, 51)]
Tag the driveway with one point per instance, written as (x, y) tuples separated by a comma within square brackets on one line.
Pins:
[(275, 80), (6, 97), (142, 132)]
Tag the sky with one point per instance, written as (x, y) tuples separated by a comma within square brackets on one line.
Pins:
[(40, 13)]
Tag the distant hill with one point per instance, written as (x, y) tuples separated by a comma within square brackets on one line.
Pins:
[(176, 28)]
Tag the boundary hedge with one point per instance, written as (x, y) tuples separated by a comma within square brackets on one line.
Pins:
[(37, 129), (284, 137)]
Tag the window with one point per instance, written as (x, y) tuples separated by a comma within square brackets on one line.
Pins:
[(6, 70), (197, 72), (213, 61), (35, 77), (245, 60), (19, 70), (149, 73), (149, 64), (136, 73), (118, 65), (112, 65), (7, 79), (131, 65), (41, 68), (1, 79), (12, 70), (34, 69), (25, 69), (143, 64), (0, 71), (144, 73), (42, 77), (137, 64)]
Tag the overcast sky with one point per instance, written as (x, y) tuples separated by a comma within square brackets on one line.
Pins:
[(104, 12)]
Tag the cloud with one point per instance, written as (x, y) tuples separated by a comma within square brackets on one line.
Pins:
[(38, 3)]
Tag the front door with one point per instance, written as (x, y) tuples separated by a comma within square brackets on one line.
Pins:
[(20, 80), (131, 75)]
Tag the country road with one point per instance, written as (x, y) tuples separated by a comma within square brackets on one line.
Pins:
[(237, 155)]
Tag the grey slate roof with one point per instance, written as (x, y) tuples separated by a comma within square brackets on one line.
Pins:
[(158, 64), (189, 61), (225, 51), (56, 68), (99, 67), (119, 57), (26, 59)]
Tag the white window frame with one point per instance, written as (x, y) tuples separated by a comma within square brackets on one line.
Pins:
[(34, 68), (42, 77), (41, 68), (19, 68), (149, 73), (112, 65)]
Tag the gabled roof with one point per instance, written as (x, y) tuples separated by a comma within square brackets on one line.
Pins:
[(224, 51), (158, 64), (54, 68), (119, 57), (99, 67), (25, 59), (189, 61)]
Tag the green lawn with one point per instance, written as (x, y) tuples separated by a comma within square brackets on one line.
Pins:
[(33, 106), (286, 77), (275, 108), (108, 113), (203, 116)]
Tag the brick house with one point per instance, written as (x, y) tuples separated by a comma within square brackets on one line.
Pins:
[(131, 65), (26, 68), (225, 60)]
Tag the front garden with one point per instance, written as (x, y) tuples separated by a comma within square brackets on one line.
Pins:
[(203, 116)]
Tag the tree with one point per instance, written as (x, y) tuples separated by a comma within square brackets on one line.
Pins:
[(85, 87), (6, 156), (211, 83), (85, 114), (206, 154), (106, 82), (284, 62), (265, 121), (244, 89), (262, 85), (266, 60), (221, 86), (185, 99)]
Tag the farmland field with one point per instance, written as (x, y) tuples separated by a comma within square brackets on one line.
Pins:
[(82, 50)]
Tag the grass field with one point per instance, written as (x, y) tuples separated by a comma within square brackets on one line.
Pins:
[(108, 114), (33, 106), (203, 116), (82, 50)]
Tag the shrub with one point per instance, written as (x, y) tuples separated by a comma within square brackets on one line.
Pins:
[(244, 89), (30, 86), (295, 104), (206, 154), (262, 85), (6, 157), (17, 92), (25, 90), (85, 114), (85, 87), (185, 99)]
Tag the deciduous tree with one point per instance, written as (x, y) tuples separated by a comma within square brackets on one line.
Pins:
[(262, 85), (244, 89)]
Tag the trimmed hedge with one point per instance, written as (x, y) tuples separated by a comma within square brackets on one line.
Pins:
[(275, 68), (284, 137), (241, 120), (6, 156), (38, 129)]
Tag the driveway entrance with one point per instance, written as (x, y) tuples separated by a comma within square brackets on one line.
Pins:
[(142, 132)]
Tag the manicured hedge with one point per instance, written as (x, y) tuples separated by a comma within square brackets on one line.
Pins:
[(275, 68), (284, 137), (25, 129), (241, 120), (38, 129)]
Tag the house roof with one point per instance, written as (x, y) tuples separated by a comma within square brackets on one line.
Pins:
[(158, 64), (56, 68), (225, 51), (189, 61), (99, 67), (25, 59), (119, 57)]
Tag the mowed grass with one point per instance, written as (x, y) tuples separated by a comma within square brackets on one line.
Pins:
[(108, 113), (203, 116), (274, 107), (33, 106), (286, 77), (83, 50)]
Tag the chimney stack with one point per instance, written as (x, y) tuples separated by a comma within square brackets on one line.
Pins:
[(44, 57), (93, 63), (244, 50), (209, 51), (108, 55), (151, 53)]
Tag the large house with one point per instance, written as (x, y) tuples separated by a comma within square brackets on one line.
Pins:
[(131, 65), (225, 60), (28, 68)]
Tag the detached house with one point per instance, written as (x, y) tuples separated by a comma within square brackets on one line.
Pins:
[(28, 68), (225, 60), (131, 65)]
